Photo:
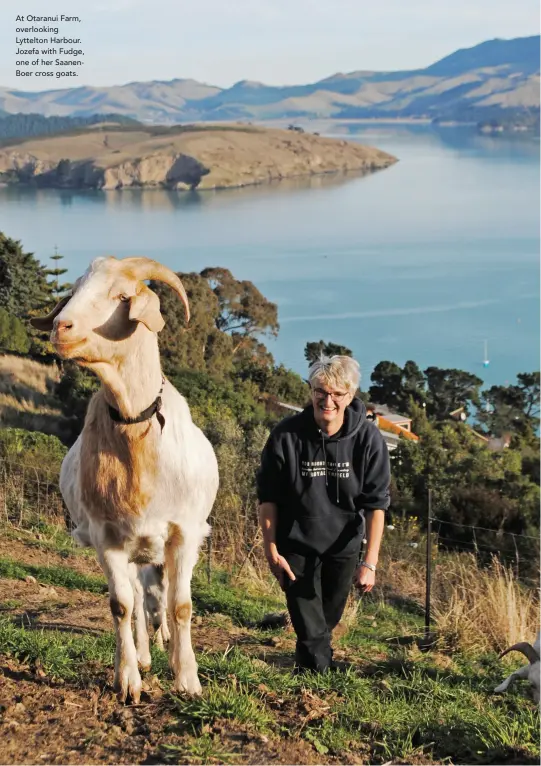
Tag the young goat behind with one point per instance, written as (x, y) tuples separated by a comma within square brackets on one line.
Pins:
[(531, 672), (141, 479)]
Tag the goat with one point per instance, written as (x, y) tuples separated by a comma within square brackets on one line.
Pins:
[(531, 671), (140, 481)]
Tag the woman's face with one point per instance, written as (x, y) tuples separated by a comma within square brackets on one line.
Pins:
[(330, 403)]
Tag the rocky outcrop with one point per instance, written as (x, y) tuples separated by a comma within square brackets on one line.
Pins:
[(228, 156), (176, 171)]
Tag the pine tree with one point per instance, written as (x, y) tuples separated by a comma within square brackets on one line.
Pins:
[(57, 289)]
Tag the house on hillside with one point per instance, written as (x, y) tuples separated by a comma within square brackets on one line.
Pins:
[(391, 424)]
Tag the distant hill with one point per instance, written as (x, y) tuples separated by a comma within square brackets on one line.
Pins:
[(493, 80)]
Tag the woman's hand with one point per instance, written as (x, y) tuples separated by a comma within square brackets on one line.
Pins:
[(280, 568), (364, 579)]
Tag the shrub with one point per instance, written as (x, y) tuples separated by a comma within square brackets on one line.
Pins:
[(13, 336)]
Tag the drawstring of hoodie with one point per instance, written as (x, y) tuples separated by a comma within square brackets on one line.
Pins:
[(336, 466), (324, 456)]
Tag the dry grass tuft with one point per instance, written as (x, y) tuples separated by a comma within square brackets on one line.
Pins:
[(483, 607)]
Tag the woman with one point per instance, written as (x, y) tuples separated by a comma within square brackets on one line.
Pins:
[(321, 471)]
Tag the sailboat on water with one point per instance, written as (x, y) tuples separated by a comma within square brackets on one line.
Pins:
[(486, 360)]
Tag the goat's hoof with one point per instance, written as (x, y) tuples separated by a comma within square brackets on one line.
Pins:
[(188, 683), (128, 685), (144, 662)]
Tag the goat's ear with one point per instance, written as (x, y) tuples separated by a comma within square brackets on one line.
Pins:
[(46, 323), (145, 308)]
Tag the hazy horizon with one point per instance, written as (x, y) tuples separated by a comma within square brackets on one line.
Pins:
[(278, 43)]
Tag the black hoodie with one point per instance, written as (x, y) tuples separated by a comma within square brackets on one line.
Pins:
[(321, 484)]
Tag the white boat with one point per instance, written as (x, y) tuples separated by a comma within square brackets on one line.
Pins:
[(486, 360)]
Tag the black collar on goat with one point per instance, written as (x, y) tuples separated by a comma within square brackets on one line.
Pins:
[(153, 409)]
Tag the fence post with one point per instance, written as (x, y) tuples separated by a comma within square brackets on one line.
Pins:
[(209, 557), (428, 565), (517, 558)]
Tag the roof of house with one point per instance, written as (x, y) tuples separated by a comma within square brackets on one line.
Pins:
[(386, 424), (394, 417)]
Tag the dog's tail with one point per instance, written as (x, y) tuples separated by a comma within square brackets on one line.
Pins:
[(526, 649)]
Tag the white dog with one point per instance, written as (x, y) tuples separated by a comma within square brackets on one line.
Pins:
[(531, 672)]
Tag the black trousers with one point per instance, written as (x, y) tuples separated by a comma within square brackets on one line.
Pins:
[(316, 599)]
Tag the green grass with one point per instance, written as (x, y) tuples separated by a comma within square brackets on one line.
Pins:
[(231, 700), (53, 575), (204, 748), (62, 656), (440, 716), (232, 600), (388, 622)]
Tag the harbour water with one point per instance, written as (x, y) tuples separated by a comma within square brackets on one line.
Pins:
[(426, 260)]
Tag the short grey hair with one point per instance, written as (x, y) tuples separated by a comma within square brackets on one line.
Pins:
[(339, 371)]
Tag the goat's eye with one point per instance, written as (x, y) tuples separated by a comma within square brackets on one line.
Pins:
[(124, 298)]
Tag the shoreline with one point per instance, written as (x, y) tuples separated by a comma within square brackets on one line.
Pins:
[(359, 173)]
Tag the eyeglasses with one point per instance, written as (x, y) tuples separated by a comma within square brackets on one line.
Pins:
[(319, 393)]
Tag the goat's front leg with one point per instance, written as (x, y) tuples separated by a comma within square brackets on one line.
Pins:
[(121, 597), (142, 644), (181, 557)]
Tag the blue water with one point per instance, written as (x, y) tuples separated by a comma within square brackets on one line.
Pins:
[(425, 260)]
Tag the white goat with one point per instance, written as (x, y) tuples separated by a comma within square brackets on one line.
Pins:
[(141, 479), (531, 672)]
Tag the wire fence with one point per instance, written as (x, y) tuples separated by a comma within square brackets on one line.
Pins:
[(29, 495)]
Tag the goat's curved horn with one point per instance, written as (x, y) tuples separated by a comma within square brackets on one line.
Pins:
[(146, 268), (526, 649), (46, 323)]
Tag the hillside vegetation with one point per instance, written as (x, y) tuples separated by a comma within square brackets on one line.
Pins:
[(24, 125)]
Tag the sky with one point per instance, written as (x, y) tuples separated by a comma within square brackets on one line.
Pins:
[(277, 42)]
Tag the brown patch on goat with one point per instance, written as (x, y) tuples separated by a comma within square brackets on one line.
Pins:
[(176, 538), (183, 612), (119, 464), (118, 610)]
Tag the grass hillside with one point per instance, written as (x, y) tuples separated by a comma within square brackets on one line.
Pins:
[(26, 395), (389, 703)]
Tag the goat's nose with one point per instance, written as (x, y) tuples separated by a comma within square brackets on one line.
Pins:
[(63, 327)]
